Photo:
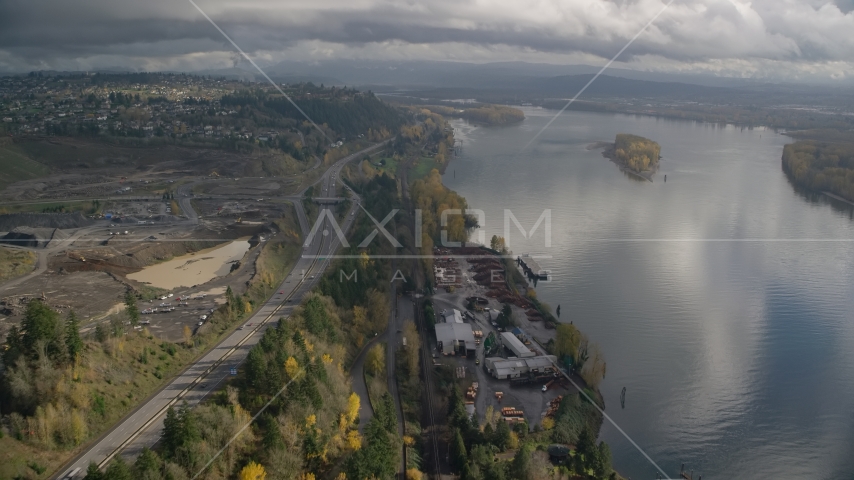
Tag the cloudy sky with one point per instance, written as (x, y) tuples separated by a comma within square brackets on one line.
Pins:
[(787, 40)]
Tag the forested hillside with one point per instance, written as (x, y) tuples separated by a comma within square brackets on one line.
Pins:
[(345, 111)]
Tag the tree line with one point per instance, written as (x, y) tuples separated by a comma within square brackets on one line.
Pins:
[(821, 166)]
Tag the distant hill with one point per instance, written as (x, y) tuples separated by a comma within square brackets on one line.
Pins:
[(505, 75), (569, 85)]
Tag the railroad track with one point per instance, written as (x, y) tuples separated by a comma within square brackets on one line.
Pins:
[(431, 414)]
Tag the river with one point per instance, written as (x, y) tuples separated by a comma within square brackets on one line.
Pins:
[(722, 299)]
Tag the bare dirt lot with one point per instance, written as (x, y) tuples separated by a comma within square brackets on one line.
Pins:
[(76, 167)]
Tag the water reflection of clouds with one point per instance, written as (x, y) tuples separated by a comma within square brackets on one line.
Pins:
[(696, 330)]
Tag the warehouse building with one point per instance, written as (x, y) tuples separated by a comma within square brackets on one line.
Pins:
[(452, 316), (455, 339), (515, 345), (509, 368)]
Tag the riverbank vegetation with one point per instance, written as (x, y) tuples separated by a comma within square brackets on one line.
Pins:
[(821, 166), (493, 114), (486, 113), (495, 450), (432, 198)]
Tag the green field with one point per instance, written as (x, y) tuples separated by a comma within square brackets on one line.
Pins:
[(16, 166), (421, 168), (85, 206), (390, 166)]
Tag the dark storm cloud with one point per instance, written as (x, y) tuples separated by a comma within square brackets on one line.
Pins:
[(50, 32)]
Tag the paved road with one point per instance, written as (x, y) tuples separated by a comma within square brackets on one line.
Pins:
[(360, 388), (143, 426), (185, 197), (394, 341)]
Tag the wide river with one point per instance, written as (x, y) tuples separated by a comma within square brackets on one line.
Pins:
[(723, 300)]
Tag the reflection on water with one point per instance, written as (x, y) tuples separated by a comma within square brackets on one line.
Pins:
[(727, 323), (194, 268)]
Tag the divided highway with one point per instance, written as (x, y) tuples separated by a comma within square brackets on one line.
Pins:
[(143, 426)]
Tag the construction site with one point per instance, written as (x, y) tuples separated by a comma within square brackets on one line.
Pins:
[(95, 228)]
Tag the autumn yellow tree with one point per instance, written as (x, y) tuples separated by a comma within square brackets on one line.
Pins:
[(291, 367), (567, 340), (593, 370), (354, 440), (188, 336), (548, 423), (375, 359), (253, 471), (353, 405), (513, 442)]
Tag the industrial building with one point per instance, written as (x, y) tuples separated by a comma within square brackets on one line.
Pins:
[(455, 339), (452, 316), (509, 368), (515, 345)]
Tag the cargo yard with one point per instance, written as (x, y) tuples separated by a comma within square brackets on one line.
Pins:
[(506, 369)]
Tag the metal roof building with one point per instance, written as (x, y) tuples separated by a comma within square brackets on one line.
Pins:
[(515, 345), (452, 316), (455, 338), (507, 368)]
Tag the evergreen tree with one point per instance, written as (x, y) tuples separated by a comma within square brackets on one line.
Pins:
[(93, 472), (585, 449), (131, 308), (272, 435), (73, 342), (521, 465), (147, 465), (377, 458), (488, 433), (14, 347), (171, 432), (502, 436), (458, 455), (601, 462), (41, 327), (118, 470)]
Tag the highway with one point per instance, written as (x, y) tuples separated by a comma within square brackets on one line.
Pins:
[(143, 426)]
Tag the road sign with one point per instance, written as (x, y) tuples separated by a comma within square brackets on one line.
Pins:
[(233, 371)]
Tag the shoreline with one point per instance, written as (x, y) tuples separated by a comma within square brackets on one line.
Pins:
[(837, 197)]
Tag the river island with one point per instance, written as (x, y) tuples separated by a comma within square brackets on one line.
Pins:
[(634, 154)]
